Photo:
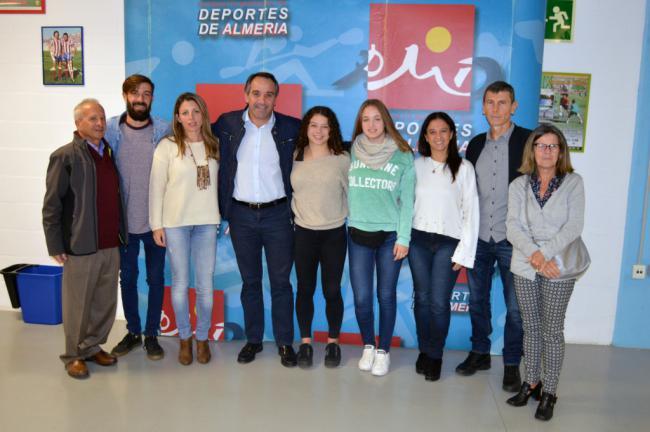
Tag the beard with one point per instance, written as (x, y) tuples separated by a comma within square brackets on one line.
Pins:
[(136, 114)]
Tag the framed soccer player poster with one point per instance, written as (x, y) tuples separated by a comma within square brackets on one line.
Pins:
[(63, 60), (22, 6)]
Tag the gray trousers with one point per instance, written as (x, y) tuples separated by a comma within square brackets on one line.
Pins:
[(543, 305), (89, 296)]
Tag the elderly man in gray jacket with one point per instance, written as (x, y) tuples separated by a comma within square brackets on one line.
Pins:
[(84, 225)]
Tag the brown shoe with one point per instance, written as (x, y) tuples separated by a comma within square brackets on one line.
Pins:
[(203, 354), (103, 358), (185, 352), (77, 369)]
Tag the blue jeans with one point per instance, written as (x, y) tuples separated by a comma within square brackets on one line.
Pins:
[(362, 262), (480, 312), (200, 243), (270, 229), (154, 256), (433, 281)]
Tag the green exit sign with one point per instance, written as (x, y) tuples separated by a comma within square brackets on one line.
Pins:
[(559, 20)]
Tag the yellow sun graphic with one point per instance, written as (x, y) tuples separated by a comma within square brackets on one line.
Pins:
[(438, 39)]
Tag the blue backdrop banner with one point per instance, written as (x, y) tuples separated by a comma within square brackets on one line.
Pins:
[(417, 57)]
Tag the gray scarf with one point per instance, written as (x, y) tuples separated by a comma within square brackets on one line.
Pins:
[(372, 155)]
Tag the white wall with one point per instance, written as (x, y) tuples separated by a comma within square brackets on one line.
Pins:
[(607, 44), (35, 119)]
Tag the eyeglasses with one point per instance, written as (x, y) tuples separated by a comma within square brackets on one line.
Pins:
[(544, 147)]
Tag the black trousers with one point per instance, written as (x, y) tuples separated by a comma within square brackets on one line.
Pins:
[(327, 248)]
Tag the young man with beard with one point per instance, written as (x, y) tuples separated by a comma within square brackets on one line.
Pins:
[(134, 136)]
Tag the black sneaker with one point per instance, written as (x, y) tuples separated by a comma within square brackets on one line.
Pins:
[(332, 355), (305, 355), (474, 362), (127, 343), (153, 348)]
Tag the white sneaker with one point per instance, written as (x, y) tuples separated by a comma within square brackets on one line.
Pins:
[(367, 358), (382, 363)]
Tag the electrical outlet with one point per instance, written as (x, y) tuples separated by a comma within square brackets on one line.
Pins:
[(638, 271)]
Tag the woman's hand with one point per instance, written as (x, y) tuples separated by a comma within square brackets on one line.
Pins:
[(159, 237), (399, 251), (550, 270), (537, 260), (456, 267)]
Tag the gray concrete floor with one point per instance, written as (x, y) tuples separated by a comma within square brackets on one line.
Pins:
[(601, 389)]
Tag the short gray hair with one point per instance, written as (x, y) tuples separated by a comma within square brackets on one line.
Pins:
[(79, 107)]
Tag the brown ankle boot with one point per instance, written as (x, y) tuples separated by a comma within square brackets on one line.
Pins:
[(185, 352), (203, 351)]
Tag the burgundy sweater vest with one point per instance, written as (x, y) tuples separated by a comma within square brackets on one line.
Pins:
[(107, 200)]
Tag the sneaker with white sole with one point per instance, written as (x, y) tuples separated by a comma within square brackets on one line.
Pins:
[(382, 363), (367, 358)]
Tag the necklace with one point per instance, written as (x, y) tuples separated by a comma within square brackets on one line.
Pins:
[(202, 172), (437, 165)]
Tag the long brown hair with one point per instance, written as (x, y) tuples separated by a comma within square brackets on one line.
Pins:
[(178, 133), (389, 125), (453, 158), (335, 140)]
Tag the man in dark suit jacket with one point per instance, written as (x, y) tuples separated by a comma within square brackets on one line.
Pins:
[(496, 156), (256, 148)]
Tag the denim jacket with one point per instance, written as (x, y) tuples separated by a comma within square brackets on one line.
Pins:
[(230, 129), (114, 134)]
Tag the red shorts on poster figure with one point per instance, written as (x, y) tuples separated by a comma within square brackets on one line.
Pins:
[(168, 319)]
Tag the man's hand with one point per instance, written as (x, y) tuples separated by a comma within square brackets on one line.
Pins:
[(60, 258)]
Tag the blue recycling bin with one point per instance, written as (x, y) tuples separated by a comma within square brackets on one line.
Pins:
[(39, 289)]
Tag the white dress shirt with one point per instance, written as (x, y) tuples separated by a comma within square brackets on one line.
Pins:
[(258, 178), (447, 208)]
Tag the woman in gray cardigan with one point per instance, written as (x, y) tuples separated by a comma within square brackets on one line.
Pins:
[(545, 214)]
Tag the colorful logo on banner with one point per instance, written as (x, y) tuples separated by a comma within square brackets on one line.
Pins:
[(168, 318), (420, 56)]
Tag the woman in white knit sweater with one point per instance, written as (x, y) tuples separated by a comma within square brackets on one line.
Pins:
[(184, 216), (444, 235)]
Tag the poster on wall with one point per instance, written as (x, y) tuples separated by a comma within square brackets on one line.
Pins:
[(564, 102), (22, 6), (559, 20), (63, 61)]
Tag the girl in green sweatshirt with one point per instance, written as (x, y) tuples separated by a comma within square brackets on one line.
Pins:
[(380, 200)]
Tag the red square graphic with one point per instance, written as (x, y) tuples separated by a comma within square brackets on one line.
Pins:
[(222, 98), (168, 318), (420, 56)]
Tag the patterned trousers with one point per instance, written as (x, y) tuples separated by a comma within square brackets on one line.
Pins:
[(543, 305)]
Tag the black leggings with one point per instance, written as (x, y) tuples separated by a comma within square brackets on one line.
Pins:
[(327, 248)]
